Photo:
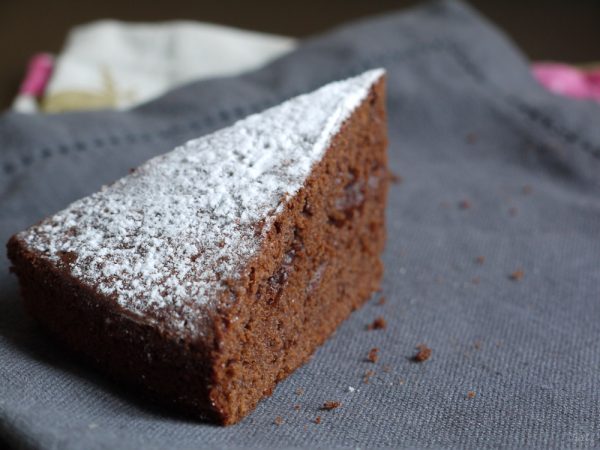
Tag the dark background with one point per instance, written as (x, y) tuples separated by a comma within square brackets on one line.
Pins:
[(567, 30)]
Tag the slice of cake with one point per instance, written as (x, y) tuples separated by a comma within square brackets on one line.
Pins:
[(212, 272)]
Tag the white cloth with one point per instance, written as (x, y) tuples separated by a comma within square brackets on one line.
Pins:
[(115, 64)]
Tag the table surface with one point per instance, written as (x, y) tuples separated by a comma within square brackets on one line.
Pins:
[(544, 29)]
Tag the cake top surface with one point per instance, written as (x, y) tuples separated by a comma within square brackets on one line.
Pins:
[(162, 240)]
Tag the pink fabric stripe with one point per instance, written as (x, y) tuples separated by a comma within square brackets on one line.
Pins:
[(568, 80), (38, 73)]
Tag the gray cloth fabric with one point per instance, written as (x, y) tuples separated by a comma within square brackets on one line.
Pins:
[(467, 124)]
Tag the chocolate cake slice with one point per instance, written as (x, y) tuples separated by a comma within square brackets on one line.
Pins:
[(212, 272)]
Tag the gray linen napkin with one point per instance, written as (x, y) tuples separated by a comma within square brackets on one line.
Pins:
[(492, 166)]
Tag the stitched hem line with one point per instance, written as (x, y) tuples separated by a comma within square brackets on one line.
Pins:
[(228, 115)]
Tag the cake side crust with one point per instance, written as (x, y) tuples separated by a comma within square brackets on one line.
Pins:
[(320, 261)]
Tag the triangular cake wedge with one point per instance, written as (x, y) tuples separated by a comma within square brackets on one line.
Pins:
[(212, 272)]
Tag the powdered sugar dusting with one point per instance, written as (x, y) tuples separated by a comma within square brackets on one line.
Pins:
[(163, 240)]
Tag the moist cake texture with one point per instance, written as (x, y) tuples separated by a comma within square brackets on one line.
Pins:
[(213, 271)]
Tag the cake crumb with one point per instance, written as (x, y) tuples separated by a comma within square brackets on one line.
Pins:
[(278, 420), (480, 259), (299, 391), (471, 394), (373, 355), (423, 354), (477, 345), (378, 324), (471, 138), (517, 275), (318, 420), (368, 375), (331, 404), (395, 178), (297, 407), (400, 381), (381, 301), (464, 204), (387, 368)]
